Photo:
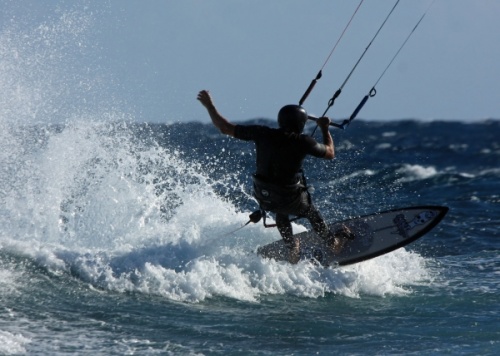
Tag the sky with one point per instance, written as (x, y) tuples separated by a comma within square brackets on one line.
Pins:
[(255, 56)]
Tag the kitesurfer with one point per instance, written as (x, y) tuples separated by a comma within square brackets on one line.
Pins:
[(279, 184)]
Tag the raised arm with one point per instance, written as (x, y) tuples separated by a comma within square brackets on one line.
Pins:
[(218, 120), (323, 123)]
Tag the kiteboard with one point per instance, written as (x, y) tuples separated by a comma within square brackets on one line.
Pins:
[(374, 235)]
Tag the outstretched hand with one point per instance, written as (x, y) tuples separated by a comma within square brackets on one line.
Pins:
[(224, 125), (205, 99)]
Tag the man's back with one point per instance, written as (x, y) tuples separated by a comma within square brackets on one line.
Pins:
[(279, 154)]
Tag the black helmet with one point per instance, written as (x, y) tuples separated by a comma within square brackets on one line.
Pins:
[(292, 118)]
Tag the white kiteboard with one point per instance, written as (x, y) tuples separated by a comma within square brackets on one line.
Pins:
[(374, 235)]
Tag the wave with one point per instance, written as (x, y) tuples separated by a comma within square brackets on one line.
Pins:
[(12, 344), (415, 172), (196, 272), (99, 202), (409, 173), (106, 201)]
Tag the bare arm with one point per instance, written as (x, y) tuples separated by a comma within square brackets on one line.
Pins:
[(224, 126), (323, 123)]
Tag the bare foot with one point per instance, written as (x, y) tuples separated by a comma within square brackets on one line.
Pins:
[(345, 233), (339, 238)]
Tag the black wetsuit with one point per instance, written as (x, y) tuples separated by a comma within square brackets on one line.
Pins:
[(278, 181)]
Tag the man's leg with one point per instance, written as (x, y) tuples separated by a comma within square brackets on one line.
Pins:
[(317, 222), (286, 231), (336, 239), (284, 227)]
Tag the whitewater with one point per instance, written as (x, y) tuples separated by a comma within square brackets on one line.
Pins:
[(116, 236)]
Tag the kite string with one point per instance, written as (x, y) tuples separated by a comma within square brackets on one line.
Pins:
[(337, 93), (320, 73), (373, 91), (341, 35), (404, 43)]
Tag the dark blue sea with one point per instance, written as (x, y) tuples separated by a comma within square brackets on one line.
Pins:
[(118, 237), (115, 238)]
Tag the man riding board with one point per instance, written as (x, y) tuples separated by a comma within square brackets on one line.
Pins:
[(279, 184)]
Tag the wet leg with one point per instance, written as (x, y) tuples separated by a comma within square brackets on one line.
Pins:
[(336, 239), (286, 231), (317, 222)]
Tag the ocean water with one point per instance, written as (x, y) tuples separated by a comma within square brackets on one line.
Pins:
[(117, 237)]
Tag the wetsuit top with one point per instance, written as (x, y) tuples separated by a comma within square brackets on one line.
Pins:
[(279, 154)]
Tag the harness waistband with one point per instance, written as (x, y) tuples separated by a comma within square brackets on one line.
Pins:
[(262, 183), (297, 179)]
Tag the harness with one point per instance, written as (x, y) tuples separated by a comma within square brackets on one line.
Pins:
[(272, 197)]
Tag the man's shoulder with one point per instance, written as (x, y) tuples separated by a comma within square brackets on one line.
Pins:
[(313, 147), (307, 139)]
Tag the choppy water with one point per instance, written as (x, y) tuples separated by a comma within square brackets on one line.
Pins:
[(113, 235), (114, 239)]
